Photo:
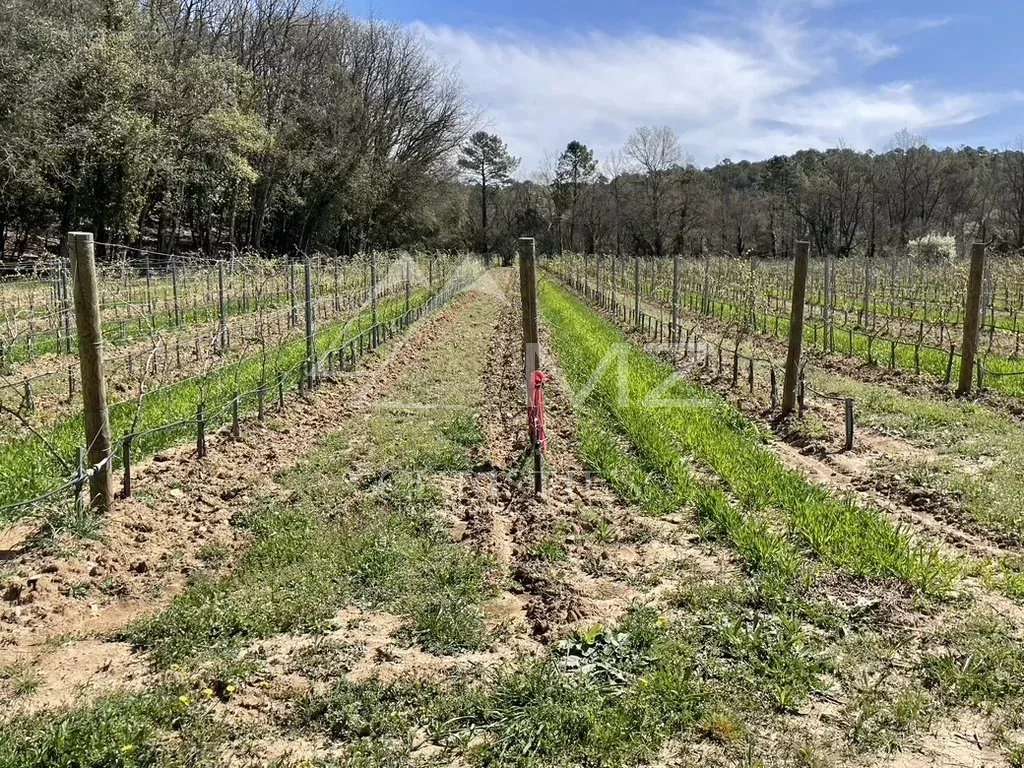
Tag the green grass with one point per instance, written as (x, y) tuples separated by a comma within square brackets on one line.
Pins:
[(165, 728), (605, 697), (974, 664), (771, 514), (384, 548), (980, 664)]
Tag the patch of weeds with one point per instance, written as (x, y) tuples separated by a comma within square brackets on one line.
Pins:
[(810, 428), (312, 557), (770, 655), (66, 522), (708, 595), (464, 430), (638, 533), (549, 550), (1004, 575), (982, 664), (79, 590), (406, 440), (722, 727), (21, 678), (161, 728), (607, 696), (884, 718), (600, 527), (373, 710), (113, 586), (213, 553), (324, 659)]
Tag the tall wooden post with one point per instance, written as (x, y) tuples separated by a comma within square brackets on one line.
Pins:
[(90, 354), (531, 340), (611, 262), (65, 307), (636, 290), (373, 300), (174, 290), (972, 319), (222, 309), (310, 317), (675, 298), (293, 315), (407, 297), (796, 328), (337, 287)]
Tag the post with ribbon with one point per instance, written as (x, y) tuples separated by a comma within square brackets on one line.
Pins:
[(534, 378)]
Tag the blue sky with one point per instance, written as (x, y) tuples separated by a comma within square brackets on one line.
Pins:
[(735, 78)]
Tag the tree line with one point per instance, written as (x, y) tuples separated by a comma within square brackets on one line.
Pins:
[(284, 125), (219, 124), (648, 199)]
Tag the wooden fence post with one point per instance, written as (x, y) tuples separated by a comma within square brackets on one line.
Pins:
[(972, 319), (174, 290), (796, 329), (65, 308), (221, 307), (293, 317), (201, 431), (310, 317), (90, 353), (373, 301), (406, 318), (636, 290), (531, 341), (126, 462), (675, 298)]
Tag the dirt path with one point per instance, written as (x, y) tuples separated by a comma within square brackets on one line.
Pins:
[(579, 556), (61, 600)]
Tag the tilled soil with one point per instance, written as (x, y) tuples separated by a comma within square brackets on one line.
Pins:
[(178, 525)]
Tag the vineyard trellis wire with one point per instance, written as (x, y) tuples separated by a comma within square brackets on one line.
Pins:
[(680, 337), (340, 346), (726, 298)]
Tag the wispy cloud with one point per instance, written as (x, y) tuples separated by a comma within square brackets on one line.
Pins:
[(772, 84)]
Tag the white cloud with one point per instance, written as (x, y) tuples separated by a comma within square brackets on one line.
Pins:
[(771, 84)]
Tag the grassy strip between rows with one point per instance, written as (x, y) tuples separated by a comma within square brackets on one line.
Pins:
[(671, 423), (29, 469)]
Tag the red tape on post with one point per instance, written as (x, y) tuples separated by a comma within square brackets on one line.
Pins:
[(538, 433)]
